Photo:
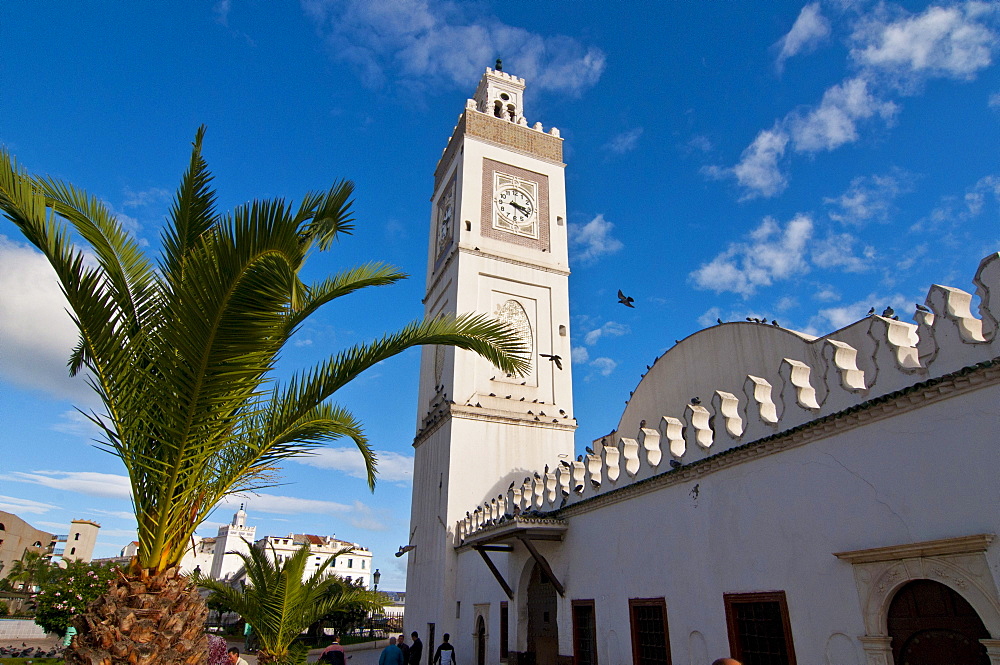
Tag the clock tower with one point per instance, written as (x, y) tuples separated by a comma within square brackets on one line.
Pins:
[(497, 246)]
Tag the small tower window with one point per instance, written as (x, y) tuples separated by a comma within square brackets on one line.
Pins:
[(511, 112), (72, 551), (76, 536), (504, 96), (498, 109)]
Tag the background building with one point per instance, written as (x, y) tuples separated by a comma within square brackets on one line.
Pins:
[(232, 537), (18, 537), (354, 566)]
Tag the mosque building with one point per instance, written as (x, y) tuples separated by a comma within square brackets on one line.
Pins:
[(767, 495)]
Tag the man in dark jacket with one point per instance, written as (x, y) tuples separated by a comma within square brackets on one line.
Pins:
[(404, 647), (416, 649)]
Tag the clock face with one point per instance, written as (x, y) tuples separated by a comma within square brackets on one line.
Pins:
[(515, 206), (446, 211)]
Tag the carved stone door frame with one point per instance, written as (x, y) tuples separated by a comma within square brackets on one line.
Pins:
[(958, 563)]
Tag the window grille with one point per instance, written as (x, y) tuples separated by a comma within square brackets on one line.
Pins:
[(650, 641), (759, 628), (584, 633)]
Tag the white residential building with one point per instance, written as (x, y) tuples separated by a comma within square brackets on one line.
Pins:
[(354, 566)]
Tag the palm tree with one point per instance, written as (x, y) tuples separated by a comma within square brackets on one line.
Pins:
[(182, 354), (25, 574), (280, 603), (31, 569)]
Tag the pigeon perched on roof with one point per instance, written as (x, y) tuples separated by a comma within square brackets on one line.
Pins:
[(921, 308)]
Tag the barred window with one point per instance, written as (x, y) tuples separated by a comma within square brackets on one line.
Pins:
[(650, 640), (584, 633), (760, 631)]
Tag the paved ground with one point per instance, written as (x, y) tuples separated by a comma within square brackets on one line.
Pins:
[(360, 654)]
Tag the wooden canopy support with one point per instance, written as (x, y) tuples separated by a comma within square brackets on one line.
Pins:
[(540, 560), (482, 549)]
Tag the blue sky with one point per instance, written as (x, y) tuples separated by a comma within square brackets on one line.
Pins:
[(798, 162)]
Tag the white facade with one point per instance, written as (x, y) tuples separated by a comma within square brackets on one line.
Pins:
[(354, 566), (232, 537), (200, 556), (760, 479), (512, 265)]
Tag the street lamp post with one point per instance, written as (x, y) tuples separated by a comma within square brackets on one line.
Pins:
[(376, 576)]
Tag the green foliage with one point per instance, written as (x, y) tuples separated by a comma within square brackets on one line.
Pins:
[(182, 351), (280, 604), (28, 572), (4, 608), (67, 592)]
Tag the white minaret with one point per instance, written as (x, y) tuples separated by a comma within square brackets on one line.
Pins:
[(230, 539), (497, 246)]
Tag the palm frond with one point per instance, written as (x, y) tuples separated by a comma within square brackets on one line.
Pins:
[(330, 216)]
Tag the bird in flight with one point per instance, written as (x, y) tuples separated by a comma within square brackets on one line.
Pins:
[(556, 359), (625, 300)]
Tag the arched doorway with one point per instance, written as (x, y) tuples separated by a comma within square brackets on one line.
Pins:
[(930, 624), (481, 641), (543, 631)]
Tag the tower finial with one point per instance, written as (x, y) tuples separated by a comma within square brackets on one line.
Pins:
[(499, 66)]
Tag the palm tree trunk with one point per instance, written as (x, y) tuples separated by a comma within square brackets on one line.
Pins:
[(143, 619)]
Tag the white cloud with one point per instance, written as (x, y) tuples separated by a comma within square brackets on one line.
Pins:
[(123, 514), (153, 195), (90, 483), (785, 303), (221, 10), (834, 122), (834, 318), (36, 333), (826, 294), (392, 467), (77, 424), (837, 251), (772, 253), (700, 143), (15, 505), (710, 317), (580, 355), (426, 40), (593, 240), (940, 42), (869, 198), (625, 142), (604, 366), (757, 172), (953, 210), (609, 329), (809, 30), (891, 56), (994, 101), (357, 514)]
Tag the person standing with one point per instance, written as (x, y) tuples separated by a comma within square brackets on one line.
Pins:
[(416, 649), (391, 655), (333, 654), (445, 654), (401, 643)]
